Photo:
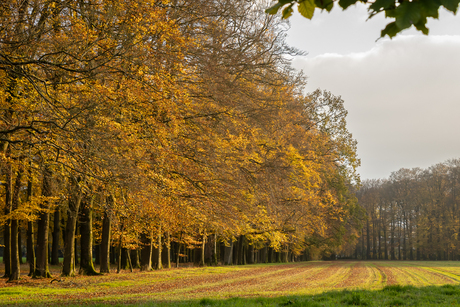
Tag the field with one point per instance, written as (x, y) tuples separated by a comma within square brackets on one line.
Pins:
[(320, 283)]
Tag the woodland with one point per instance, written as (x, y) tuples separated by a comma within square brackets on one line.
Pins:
[(412, 215), (152, 133)]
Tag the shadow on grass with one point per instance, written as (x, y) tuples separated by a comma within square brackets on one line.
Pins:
[(396, 295)]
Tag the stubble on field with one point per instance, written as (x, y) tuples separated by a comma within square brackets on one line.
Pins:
[(230, 281)]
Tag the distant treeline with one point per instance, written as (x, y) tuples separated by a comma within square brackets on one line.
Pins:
[(413, 215)]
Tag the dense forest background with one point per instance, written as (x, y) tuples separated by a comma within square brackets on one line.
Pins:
[(151, 132), (412, 215)]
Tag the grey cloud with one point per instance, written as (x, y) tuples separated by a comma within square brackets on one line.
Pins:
[(403, 98)]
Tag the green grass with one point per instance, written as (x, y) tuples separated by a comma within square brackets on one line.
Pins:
[(397, 295)]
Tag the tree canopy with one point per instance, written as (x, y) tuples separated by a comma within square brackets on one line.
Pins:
[(404, 13), (148, 123)]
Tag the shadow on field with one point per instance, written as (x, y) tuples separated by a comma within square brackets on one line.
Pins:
[(396, 295)]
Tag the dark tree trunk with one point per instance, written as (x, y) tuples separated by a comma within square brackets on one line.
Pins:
[(105, 242), (113, 255), (68, 266), (42, 269), (264, 254), (251, 254), (86, 237), (368, 245), (374, 239), (97, 254), (7, 227), (240, 250), (385, 240), (15, 247), (56, 236), (20, 246), (146, 252), (392, 241), (178, 247), (120, 248), (30, 235), (134, 258), (128, 257)]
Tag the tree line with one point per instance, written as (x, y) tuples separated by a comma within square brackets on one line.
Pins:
[(412, 215), (164, 131)]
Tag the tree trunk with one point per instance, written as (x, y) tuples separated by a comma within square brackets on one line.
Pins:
[(168, 250), (368, 245), (178, 247), (228, 253), (146, 252), (30, 235), (135, 258), (15, 252), (68, 266), (86, 238), (159, 265), (7, 227), (240, 250), (42, 269), (203, 245), (264, 254), (128, 256), (56, 236), (105, 242), (251, 254), (120, 249), (214, 253)]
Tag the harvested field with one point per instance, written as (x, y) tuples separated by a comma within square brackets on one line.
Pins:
[(267, 280)]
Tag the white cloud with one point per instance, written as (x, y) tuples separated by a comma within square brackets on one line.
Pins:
[(403, 97)]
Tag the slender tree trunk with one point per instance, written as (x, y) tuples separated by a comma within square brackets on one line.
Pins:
[(178, 254), (56, 236), (168, 250), (368, 245), (159, 265), (404, 238), (42, 269), (7, 228), (120, 248), (228, 253), (374, 238), (214, 254), (105, 242), (15, 254), (20, 245), (203, 245), (86, 238), (392, 240), (30, 235), (130, 263), (251, 254), (240, 250), (68, 266)]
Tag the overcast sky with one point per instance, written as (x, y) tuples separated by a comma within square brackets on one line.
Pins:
[(402, 95)]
